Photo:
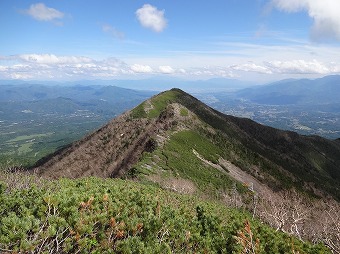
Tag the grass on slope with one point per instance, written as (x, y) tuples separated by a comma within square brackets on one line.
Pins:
[(180, 157), (92, 215), (177, 158), (158, 104)]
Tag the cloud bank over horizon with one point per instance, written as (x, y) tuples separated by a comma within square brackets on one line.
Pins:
[(49, 66)]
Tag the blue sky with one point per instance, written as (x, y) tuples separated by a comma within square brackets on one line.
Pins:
[(255, 40)]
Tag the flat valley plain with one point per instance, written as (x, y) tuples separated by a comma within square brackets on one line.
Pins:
[(26, 137)]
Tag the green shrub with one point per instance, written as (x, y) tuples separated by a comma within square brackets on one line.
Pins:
[(94, 215), (184, 112)]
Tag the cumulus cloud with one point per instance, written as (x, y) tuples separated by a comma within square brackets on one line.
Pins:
[(208, 72), (152, 18), (325, 14), (50, 66), (41, 12), (113, 31), (47, 66), (299, 67), (138, 68), (251, 67), (165, 69), (288, 67), (183, 71), (53, 59)]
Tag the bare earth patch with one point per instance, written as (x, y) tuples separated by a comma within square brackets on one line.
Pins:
[(238, 174), (179, 185), (245, 178)]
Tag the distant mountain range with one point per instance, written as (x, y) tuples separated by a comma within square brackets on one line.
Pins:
[(310, 107), (324, 90), (57, 99), (150, 84), (85, 93)]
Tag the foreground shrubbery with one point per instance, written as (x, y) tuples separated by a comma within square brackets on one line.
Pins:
[(93, 215)]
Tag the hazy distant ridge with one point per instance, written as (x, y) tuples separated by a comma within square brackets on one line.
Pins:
[(324, 90)]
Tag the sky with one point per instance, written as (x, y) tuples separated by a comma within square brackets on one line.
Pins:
[(251, 40)]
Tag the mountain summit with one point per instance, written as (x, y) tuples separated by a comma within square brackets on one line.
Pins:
[(175, 136)]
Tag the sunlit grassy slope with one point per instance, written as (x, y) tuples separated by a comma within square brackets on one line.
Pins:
[(285, 158)]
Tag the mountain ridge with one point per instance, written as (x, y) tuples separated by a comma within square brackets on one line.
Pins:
[(34, 92), (280, 159)]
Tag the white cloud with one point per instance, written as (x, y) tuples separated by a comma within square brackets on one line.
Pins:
[(165, 69), (3, 68), (53, 59), (20, 76), (288, 67), (138, 68), (150, 17), (251, 67), (41, 12), (113, 31), (207, 72), (46, 66), (50, 66), (183, 71), (298, 67), (290, 5), (325, 14)]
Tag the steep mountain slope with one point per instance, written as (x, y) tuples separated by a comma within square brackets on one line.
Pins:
[(174, 136)]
